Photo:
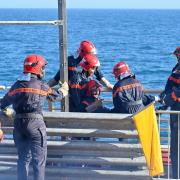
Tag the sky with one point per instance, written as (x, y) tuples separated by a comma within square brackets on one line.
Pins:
[(120, 4)]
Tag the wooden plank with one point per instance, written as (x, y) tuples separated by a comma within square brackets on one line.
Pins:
[(139, 161), (85, 145), (81, 172), (84, 132), (70, 152), (83, 120)]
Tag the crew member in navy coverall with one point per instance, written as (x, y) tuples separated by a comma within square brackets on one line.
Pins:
[(86, 47), (128, 95), (92, 102), (171, 98), (78, 82), (27, 96)]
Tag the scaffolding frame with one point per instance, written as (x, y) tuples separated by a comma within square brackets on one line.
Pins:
[(62, 25)]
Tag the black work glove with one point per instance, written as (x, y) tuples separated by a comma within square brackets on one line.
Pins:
[(162, 97)]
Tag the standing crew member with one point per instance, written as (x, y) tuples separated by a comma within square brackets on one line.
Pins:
[(128, 95), (86, 47), (171, 97), (27, 96)]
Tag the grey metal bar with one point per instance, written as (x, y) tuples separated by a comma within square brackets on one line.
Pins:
[(178, 145), (169, 148), (55, 22), (153, 91), (63, 50), (168, 112)]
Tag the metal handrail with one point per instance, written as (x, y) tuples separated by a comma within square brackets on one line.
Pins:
[(151, 91), (55, 22)]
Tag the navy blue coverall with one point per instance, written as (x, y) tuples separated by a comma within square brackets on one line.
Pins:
[(29, 134), (172, 99), (128, 96)]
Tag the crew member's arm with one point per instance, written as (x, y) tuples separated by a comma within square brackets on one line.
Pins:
[(54, 95), (54, 81), (102, 79), (5, 103)]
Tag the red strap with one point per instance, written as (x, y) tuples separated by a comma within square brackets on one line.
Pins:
[(72, 68), (174, 80), (174, 97), (77, 86)]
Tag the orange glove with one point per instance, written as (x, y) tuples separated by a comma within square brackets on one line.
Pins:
[(1, 135)]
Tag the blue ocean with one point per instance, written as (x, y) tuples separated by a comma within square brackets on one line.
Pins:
[(144, 39)]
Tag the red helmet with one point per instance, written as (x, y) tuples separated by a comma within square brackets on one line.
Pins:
[(89, 61), (91, 86), (34, 64), (177, 52), (86, 47), (120, 68)]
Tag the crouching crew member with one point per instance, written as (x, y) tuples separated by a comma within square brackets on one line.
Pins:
[(128, 95), (92, 102), (26, 97), (78, 82)]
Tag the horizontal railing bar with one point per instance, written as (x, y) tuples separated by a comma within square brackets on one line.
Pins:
[(2, 87), (154, 91), (55, 22), (167, 112)]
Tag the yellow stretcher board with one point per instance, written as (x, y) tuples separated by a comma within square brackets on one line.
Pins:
[(146, 124)]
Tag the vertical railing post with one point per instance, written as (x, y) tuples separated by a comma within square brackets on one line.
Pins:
[(63, 50)]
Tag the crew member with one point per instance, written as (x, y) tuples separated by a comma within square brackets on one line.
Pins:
[(128, 95), (26, 97), (171, 98)]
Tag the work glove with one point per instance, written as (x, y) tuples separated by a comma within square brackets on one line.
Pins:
[(9, 112), (110, 86), (157, 99), (2, 87), (64, 88), (162, 97), (98, 103)]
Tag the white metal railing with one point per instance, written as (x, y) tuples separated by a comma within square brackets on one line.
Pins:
[(55, 22)]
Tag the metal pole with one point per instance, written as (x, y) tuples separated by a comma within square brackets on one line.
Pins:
[(63, 50)]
